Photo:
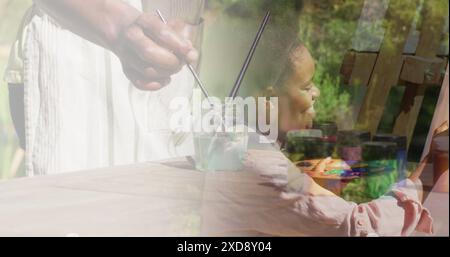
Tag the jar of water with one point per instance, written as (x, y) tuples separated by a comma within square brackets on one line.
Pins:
[(225, 148)]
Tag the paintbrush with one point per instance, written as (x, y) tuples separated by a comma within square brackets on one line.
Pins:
[(240, 78), (234, 91)]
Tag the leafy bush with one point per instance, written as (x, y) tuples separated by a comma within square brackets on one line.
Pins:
[(334, 102)]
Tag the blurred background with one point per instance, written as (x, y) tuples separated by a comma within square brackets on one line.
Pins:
[(327, 27), (11, 12)]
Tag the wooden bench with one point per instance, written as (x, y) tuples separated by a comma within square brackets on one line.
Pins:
[(390, 65)]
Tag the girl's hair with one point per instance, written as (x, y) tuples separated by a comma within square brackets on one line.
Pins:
[(288, 66)]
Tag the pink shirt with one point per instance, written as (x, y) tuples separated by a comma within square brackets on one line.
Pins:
[(398, 213)]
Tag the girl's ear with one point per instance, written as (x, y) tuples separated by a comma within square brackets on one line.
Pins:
[(270, 91)]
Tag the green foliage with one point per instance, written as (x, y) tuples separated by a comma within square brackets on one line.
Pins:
[(368, 188), (334, 102)]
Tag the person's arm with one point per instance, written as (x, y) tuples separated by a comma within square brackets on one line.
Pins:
[(149, 50), (99, 21)]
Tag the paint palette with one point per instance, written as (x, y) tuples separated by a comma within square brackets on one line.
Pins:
[(334, 176), (335, 169)]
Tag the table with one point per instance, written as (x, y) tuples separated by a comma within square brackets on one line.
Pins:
[(167, 198)]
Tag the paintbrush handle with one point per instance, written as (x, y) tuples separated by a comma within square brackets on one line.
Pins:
[(199, 82), (250, 54)]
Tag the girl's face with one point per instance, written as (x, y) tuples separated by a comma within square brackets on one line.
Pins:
[(296, 105)]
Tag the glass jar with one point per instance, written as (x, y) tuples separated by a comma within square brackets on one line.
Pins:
[(222, 142), (220, 151)]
